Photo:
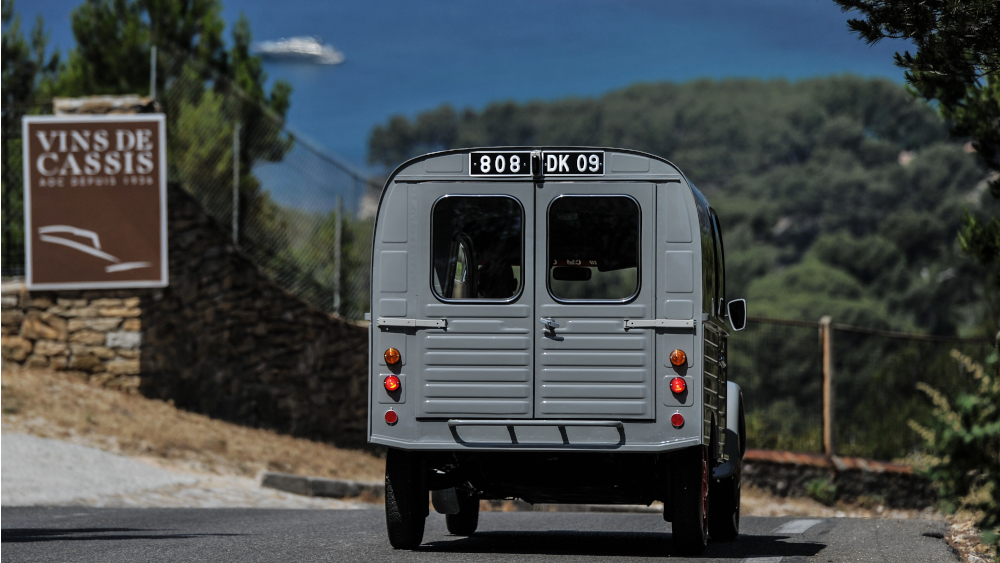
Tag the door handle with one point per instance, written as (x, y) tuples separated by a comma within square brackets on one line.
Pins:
[(549, 323)]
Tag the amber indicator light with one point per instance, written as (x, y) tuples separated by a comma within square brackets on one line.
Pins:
[(391, 383), (678, 358), (392, 356), (677, 385), (391, 417), (677, 419)]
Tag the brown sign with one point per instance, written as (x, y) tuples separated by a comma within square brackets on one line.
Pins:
[(95, 208)]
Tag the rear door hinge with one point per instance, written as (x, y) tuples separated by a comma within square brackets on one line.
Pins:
[(413, 323), (659, 323)]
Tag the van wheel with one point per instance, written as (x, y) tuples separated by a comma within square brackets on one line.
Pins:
[(724, 513), (467, 520), (689, 503), (405, 499)]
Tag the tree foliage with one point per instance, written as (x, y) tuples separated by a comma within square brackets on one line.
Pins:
[(834, 179), (28, 68), (956, 64)]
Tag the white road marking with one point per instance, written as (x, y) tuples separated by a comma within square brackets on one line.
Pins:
[(763, 560), (795, 526)]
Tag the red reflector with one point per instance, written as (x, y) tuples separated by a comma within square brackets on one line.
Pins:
[(677, 385), (391, 417), (391, 383), (677, 419)]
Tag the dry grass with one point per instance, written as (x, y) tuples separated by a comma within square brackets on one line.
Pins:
[(64, 406)]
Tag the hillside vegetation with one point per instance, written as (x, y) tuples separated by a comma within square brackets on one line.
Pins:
[(838, 196)]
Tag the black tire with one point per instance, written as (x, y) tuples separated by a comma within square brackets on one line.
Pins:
[(467, 520), (724, 509), (689, 500), (405, 499)]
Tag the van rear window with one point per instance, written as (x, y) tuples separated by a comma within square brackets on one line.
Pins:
[(593, 248), (477, 247)]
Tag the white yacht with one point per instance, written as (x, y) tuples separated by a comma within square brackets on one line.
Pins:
[(309, 49)]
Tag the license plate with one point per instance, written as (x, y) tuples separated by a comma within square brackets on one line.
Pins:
[(573, 163), (500, 163)]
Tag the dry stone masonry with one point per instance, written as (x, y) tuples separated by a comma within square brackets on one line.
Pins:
[(87, 332), (222, 339)]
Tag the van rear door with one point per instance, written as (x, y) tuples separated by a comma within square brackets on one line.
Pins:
[(590, 279), (479, 245)]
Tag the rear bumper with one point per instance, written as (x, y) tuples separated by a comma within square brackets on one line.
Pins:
[(539, 435)]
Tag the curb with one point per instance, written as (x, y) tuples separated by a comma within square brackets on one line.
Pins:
[(320, 487)]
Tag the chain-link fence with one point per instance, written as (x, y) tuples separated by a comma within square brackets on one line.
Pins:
[(12, 259), (303, 216), (779, 365)]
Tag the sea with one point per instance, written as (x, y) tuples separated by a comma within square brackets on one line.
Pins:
[(403, 58)]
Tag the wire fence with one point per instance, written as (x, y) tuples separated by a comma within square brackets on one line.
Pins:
[(779, 365), (302, 215)]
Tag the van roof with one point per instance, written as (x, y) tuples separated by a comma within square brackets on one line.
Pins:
[(452, 165)]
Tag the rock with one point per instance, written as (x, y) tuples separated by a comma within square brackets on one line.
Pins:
[(120, 312), (15, 348), (59, 362), (99, 352), (128, 354), (98, 323), (132, 302), (37, 303), (88, 336), (44, 325), (119, 366), (36, 361), (106, 303), (123, 339), (8, 301), (71, 303), (88, 363), (80, 312), (11, 318), (50, 348), (132, 324)]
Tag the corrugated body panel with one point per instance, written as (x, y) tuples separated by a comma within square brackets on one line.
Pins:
[(585, 374), (476, 374)]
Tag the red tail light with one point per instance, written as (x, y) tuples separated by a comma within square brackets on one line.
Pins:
[(391, 383), (677, 385), (677, 419), (391, 417)]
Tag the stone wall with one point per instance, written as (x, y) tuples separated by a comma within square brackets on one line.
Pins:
[(97, 334), (222, 339)]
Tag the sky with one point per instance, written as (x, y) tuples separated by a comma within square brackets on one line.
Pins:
[(407, 57)]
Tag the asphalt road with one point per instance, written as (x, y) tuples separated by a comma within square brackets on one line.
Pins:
[(177, 535)]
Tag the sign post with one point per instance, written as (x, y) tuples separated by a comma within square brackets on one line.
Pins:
[(95, 201)]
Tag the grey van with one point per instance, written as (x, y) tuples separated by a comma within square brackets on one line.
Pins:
[(551, 324)]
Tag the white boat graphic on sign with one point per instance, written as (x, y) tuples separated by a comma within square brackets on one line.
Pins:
[(46, 235)]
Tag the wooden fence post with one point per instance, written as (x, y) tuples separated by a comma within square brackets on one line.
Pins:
[(826, 333)]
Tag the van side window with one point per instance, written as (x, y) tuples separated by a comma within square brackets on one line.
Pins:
[(708, 266), (720, 253), (477, 247), (593, 248)]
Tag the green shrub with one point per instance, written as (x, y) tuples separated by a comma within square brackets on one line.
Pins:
[(964, 442), (822, 490)]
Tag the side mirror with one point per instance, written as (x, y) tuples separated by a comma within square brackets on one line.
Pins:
[(736, 310)]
